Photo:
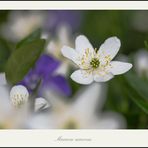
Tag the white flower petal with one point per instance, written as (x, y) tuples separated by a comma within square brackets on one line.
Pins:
[(82, 43), (70, 53), (3, 79), (103, 78), (118, 68), (41, 103), (110, 47), (96, 92), (41, 121), (4, 97), (64, 33), (19, 95), (82, 77), (63, 69)]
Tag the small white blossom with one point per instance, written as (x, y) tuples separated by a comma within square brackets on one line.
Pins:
[(10, 117), (95, 65), (40, 104), (19, 95)]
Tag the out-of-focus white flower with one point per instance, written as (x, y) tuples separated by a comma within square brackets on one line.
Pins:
[(10, 117), (22, 23), (11, 114), (19, 95), (95, 65), (41, 104), (79, 114), (141, 62), (64, 36)]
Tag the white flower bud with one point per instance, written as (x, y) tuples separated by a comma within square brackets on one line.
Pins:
[(40, 104), (19, 95)]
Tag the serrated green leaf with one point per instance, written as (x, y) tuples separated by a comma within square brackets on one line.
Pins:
[(4, 54), (22, 60), (33, 36)]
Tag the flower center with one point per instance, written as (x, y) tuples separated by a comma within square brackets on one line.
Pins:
[(94, 63)]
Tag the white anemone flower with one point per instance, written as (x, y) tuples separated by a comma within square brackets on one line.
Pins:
[(19, 95), (95, 65), (10, 116), (84, 112), (14, 106)]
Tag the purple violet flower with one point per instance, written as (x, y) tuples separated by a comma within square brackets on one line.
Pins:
[(46, 65), (44, 70)]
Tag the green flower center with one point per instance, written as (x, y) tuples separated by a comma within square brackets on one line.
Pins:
[(95, 63)]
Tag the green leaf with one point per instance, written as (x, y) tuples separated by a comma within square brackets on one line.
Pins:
[(146, 44), (136, 89), (22, 60), (138, 84), (4, 54), (140, 102), (34, 35)]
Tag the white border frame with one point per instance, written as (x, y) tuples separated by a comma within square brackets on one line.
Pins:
[(101, 138), (97, 138), (67, 5)]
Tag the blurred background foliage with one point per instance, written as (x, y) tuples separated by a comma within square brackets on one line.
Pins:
[(127, 94), (98, 25)]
